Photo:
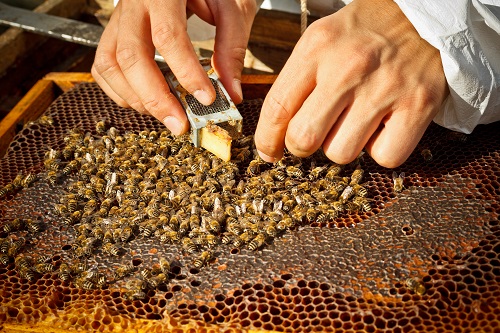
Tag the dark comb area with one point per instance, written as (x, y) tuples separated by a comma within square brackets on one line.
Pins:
[(426, 258)]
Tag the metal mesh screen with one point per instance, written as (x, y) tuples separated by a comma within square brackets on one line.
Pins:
[(349, 273), (220, 104)]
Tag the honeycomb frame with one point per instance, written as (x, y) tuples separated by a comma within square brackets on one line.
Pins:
[(344, 275)]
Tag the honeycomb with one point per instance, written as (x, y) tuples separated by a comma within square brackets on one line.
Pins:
[(423, 259)]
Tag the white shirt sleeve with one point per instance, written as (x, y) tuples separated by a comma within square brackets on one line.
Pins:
[(467, 34)]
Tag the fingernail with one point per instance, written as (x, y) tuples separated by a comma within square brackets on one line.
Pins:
[(237, 88), (173, 124), (267, 158), (203, 97)]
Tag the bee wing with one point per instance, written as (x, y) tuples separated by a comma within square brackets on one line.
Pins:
[(277, 205), (394, 175), (402, 175)]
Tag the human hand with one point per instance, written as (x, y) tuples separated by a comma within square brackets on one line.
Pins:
[(124, 65), (361, 77)]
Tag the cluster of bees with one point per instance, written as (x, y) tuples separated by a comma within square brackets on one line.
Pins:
[(129, 185), (21, 181)]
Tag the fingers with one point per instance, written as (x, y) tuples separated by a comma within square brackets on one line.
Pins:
[(399, 132), (234, 21), (169, 35), (356, 125), (135, 57), (106, 69), (282, 102), (313, 122)]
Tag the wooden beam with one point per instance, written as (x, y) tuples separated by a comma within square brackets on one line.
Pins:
[(30, 107), (66, 81)]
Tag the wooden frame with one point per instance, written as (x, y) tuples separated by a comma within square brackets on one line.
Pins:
[(45, 91)]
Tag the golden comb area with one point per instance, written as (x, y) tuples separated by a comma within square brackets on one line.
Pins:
[(424, 256)]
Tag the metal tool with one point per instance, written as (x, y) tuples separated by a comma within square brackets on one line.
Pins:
[(222, 111), (54, 26)]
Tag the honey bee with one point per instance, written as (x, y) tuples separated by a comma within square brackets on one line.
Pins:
[(14, 225), (293, 171), (52, 164), (228, 237), (15, 247), (154, 281), (203, 259), (126, 234), (72, 205), (170, 236), (288, 205), (360, 190), (230, 211), (363, 202), (311, 214), (4, 245), (43, 268), (6, 189), (46, 121), (52, 177), (241, 154), (164, 266), (356, 176), (72, 166), (271, 229), (145, 273), (275, 215), (213, 226), (323, 215), (340, 185), (27, 273), (253, 168), (243, 239), (82, 282), (352, 207), (64, 272), (457, 136), (101, 281), (333, 172), (74, 218), (111, 249), (4, 259), (135, 294), (347, 193), (122, 271), (278, 175), (416, 286), (426, 155), (61, 209), (18, 181), (33, 226), (28, 180), (82, 251), (208, 240), (22, 262), (249, 226), (285, 224), (316, 172), (188, 245), (257, 242), (79, 267), (398, 181), (101, 126)]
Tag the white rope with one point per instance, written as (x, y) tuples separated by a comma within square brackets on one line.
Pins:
[(303, 16)]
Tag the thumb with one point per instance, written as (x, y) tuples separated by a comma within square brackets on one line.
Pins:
[(233, 20)]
